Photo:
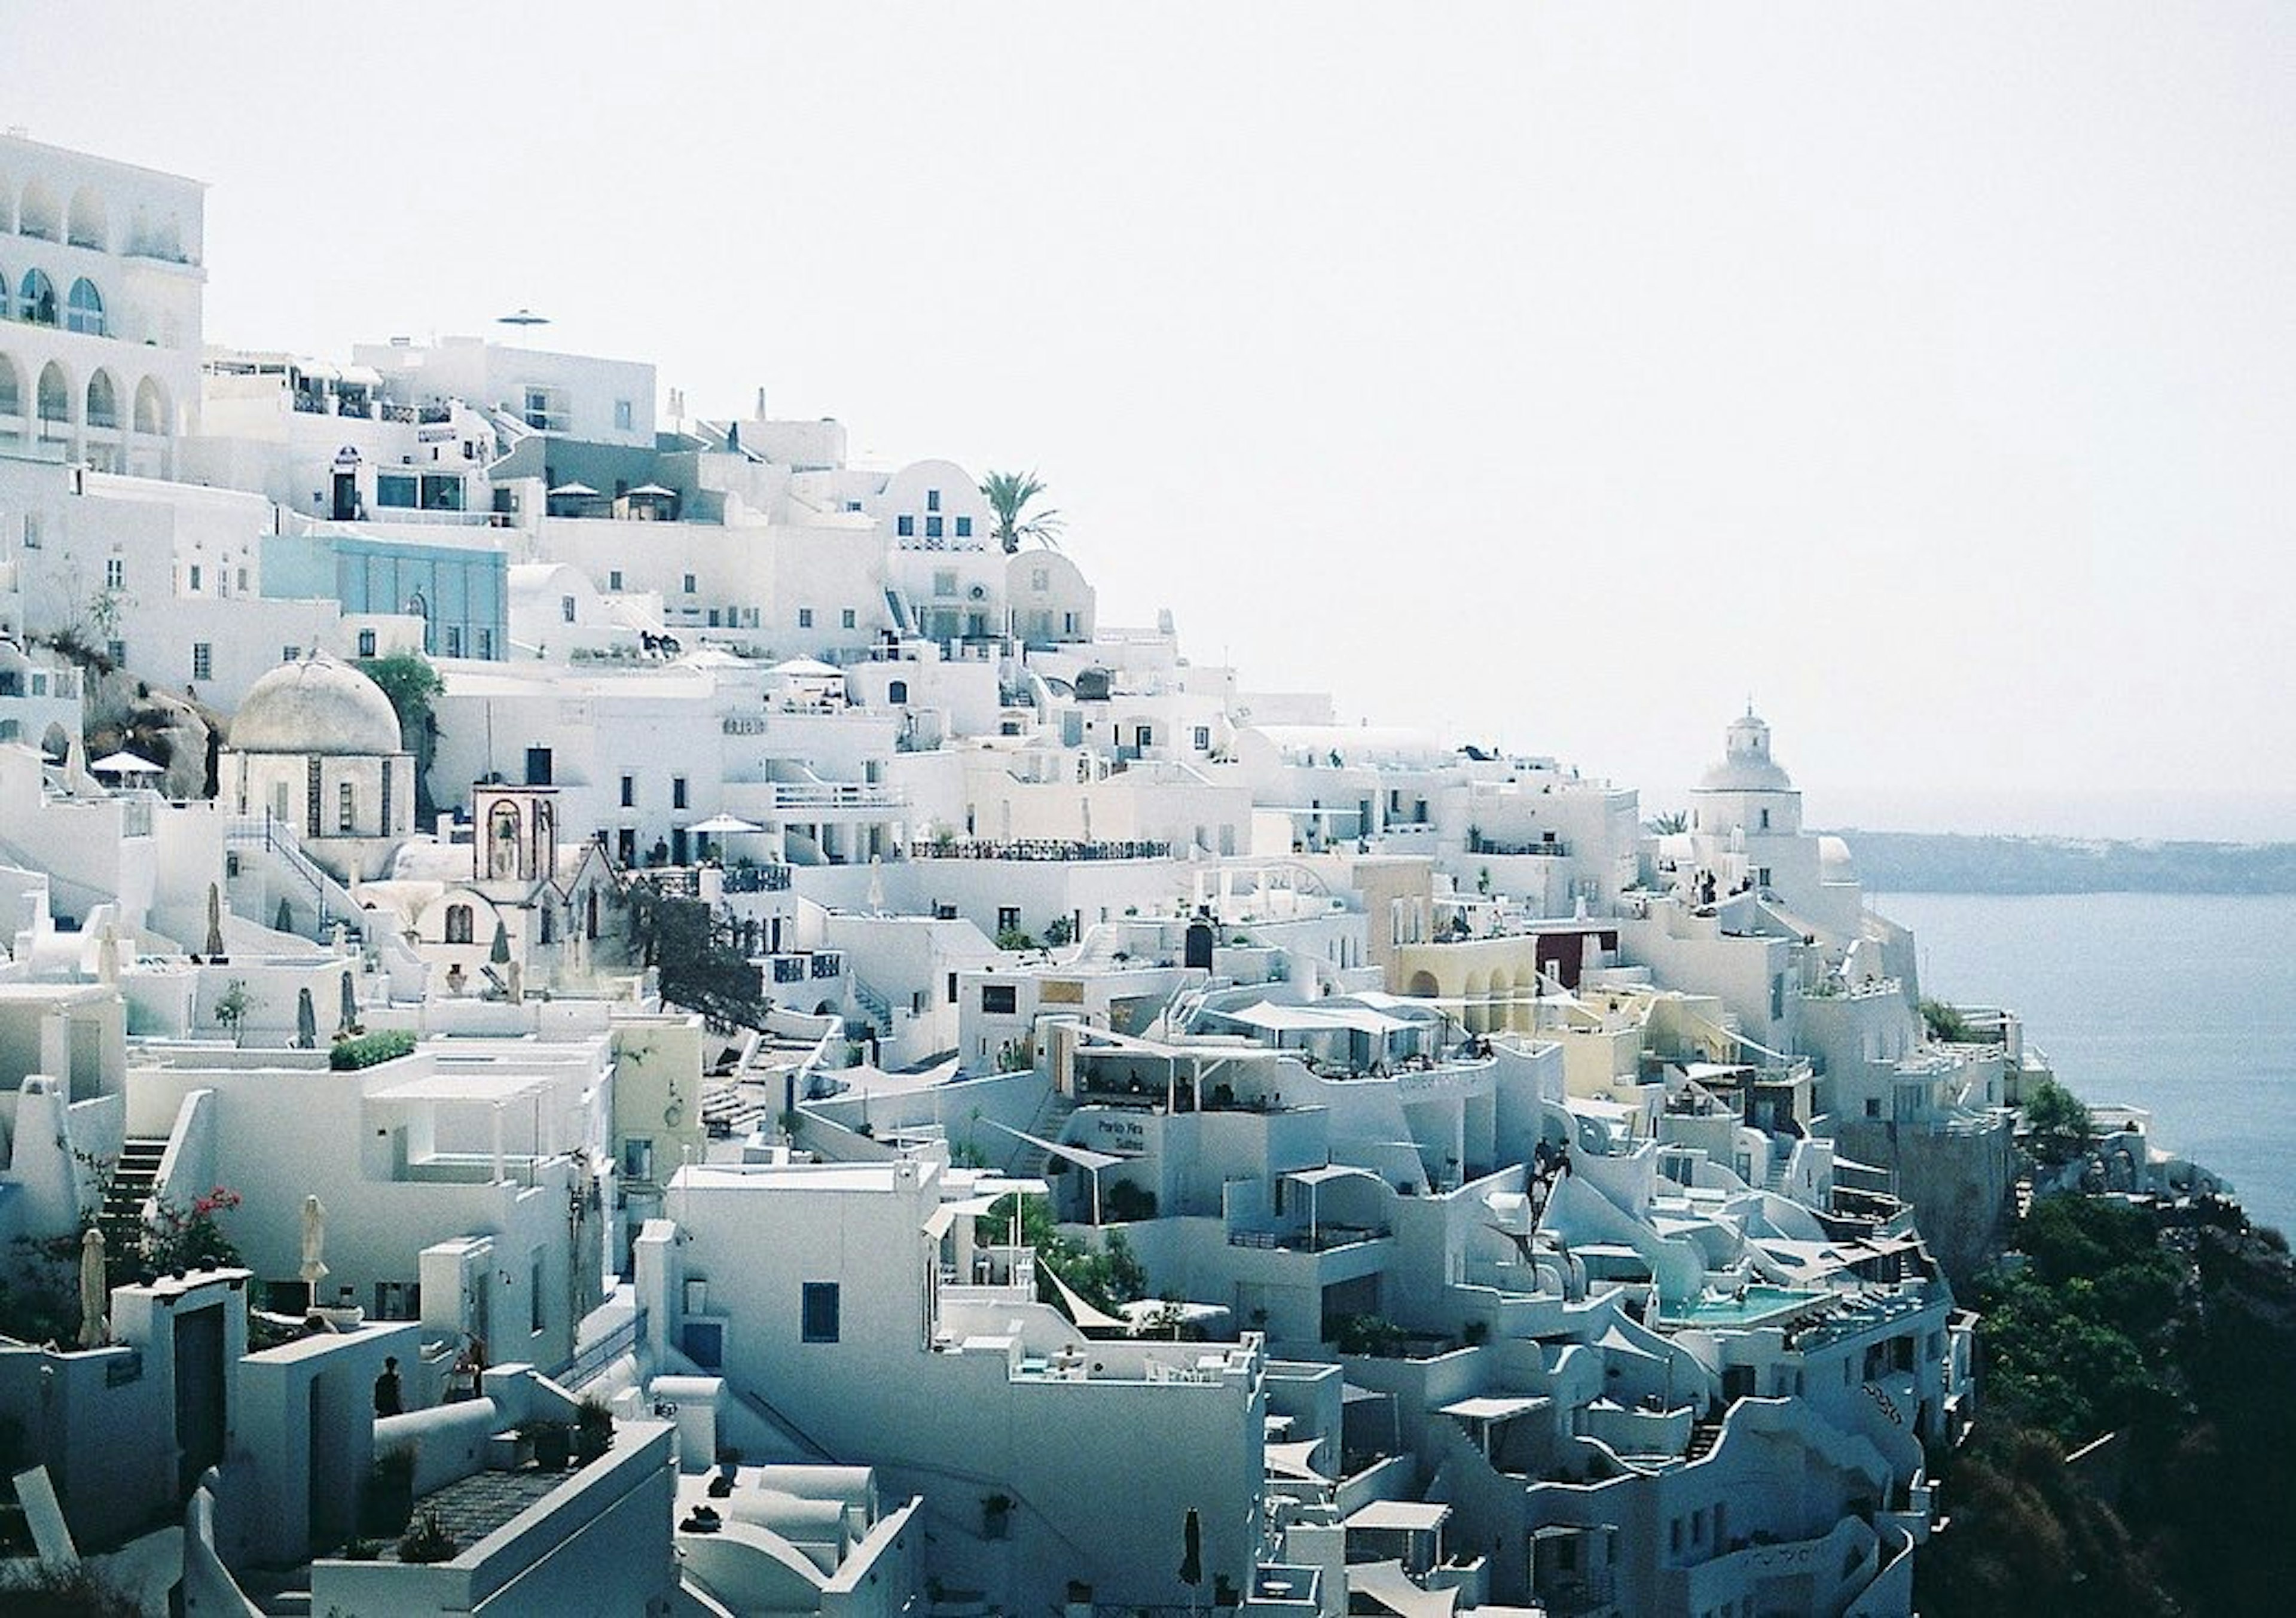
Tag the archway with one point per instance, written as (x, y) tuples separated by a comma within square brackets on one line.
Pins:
[(37, 301), (38, 214), (102, 400), (55, 394), (84, 309), (1476, 1013), (55, 744), (151, 406), (88, 224), (1525, 1013), (1422, 986), (12, 387)]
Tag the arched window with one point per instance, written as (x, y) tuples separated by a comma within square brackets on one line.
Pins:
[(151, 408), (55, 394), (83, 311), (39, 299), (7, 303), (12, 390), (897, 692), (458, 924), (103, 401)]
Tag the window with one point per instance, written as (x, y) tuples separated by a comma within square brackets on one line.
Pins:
[(115, 573), (116, 650), (944, 582), (39, 300), (486, 642), (805, 618), (1765, 820), (819, 1324), (1002, 999), (964, 527), (932, 528), (613, 578), (458, 924), (714, 621), (906, 526), (367, 643), (533, 1291), (288, 654), (346, 808), (623, 415), (195, 578), (202, 661), (689, 584), (454, 640), (566, 608), (84, 310), (629, 792), (896, 691), (677, 792), (1008, 918), (846, 619), (396, 490), (932, 499), (243, 582), (1203, 738)]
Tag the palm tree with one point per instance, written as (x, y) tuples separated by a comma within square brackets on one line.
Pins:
[(1008, 494)]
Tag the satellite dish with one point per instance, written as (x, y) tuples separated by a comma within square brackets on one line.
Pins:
[(523, 318)]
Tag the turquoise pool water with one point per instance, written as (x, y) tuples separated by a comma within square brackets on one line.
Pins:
[(1759, 1303)]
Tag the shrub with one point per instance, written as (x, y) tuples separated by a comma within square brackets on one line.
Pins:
[(366, 1050), (427, 1541)]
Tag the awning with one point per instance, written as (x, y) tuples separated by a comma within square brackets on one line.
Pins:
[(1084, 1157), (1291, 1460), (1315, 1019), (1492, 1409), (1087, 1317), (722, 825), (1408, 1517), (1326, 1174)]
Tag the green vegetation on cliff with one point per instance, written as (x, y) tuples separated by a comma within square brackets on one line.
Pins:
[(2174, 1330)]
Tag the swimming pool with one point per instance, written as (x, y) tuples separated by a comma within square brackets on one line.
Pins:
[(1759, 1303)]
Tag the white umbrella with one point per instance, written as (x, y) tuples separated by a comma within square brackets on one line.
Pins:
[(314, 1242), (721, 825), (573, 491), (93, 1293), (652, 491), (126, 764)]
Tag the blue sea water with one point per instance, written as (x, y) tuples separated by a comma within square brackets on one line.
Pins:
[(2181, 1004)]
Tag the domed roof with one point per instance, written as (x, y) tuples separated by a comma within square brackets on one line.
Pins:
[(316, 704), (1746, 765)]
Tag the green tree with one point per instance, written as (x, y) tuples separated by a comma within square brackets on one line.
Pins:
[(1669, 823), (1944, 1022), (2057, 1125), (413, 686), (1008, 495), (699, 968)]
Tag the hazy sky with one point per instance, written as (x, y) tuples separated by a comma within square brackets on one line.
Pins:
[(1560, 376)]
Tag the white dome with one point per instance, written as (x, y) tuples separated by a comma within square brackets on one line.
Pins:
[(316, 704), (1746, 765)]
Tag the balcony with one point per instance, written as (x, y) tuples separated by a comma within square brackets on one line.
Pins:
[(1044, 851)]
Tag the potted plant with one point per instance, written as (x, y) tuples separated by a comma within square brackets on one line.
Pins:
[(553, 1443), (389, 1500), (594, 1431), (427, 1541)]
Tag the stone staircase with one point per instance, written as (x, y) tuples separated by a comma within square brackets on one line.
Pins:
[(1703, 1436), (132, 1181), (1027, 1162)]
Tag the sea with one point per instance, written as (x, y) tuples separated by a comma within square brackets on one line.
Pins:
[(2184, 1004)]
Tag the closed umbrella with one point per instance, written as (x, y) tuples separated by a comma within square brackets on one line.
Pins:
[(350, 1003), (314, 1245), (307, 1020), (215, 922), (93, 1294)]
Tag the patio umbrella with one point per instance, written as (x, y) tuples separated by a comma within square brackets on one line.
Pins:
[(307, 1020), (315, 1244), (723, 825), (93, 1293), (652, 491), (572, 492), (1192, 1559), (126, 764)]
